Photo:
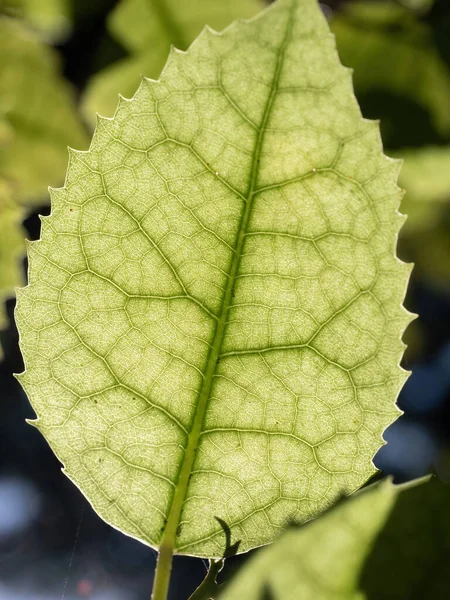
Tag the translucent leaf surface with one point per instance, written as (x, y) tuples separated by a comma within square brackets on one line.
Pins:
[(387, 542), (392, 50), (40, 120), (212, 325), (147, 30)]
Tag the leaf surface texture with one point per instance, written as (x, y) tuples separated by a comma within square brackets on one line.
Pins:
[(213, 321)]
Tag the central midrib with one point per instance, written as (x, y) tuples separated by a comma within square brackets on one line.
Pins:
[(170, 530)]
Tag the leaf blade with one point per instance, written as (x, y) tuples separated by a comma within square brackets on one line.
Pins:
[(147, 30), (199, 369)]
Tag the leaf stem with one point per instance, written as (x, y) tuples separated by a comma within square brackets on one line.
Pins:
[(162, 573), (209, 587)]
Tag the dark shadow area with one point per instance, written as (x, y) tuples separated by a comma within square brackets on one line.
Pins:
[(417, 570)]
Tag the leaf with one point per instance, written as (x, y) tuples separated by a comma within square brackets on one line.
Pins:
[(212, 324), (50, 18), (388, 541), (147, 30), (40, 120), (393, 51), (12, 247)]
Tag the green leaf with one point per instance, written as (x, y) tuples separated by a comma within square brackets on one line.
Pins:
[(36, 105), (12, 247), (213, 320), (147, 30), (50, 18), (421, 6), (387, 542), (425, 239), (391, 50)]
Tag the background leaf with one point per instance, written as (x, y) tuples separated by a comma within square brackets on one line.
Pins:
[(394, 54), (50, 18), (12, 247), (39, 117), (425, 176), (212, 325), (381, 543)]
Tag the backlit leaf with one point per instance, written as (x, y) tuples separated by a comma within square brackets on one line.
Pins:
[(212, 328)]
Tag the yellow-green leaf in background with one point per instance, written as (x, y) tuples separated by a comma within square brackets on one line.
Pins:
[(37, 107), (12, 246), (421, 6), (387, 542), (212, 327), (391, 49), (50, 18), (147, 30), (425, 176)]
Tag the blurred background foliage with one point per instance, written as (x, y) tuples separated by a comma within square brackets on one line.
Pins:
[(61, 61), (385, 529)]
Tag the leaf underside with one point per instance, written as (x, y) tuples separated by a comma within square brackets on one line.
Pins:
[(213, 318)]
